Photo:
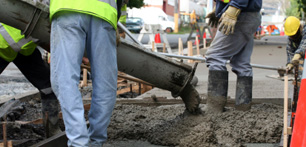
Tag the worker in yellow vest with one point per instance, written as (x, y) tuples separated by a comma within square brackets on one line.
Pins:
[(14, 47), (76, 26), (193, 17), (123, 16)]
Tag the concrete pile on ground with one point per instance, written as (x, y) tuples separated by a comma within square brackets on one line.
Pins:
[(171, 126)]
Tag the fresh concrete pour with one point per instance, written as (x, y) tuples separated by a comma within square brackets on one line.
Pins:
[(169, 125)]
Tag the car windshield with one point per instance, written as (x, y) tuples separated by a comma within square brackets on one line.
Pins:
[(134, 20)]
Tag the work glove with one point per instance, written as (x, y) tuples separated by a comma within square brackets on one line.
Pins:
[(294, 62), (213, 19), (117, 37), (228, 20)]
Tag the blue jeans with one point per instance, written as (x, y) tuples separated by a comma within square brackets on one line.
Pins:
[(71, 34), (237, 47)]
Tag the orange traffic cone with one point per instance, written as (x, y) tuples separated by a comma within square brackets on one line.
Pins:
[(157, 38), (262, 32), (204, 35), (198, 35), (282, 33)]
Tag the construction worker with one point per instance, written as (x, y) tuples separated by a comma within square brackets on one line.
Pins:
[(14, 47), (238, 20), (193, 17), (296, 42), (123, 16), (76, 26)]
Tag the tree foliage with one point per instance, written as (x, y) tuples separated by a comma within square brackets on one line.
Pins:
[(303, 5), (135, 3), (295, 8)]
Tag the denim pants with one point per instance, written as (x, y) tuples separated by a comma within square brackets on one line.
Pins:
[(71, 34), (237, 47)]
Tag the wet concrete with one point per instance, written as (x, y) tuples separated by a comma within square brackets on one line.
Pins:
[(171, 126)]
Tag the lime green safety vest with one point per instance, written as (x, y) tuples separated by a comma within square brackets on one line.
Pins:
[(122, 18), (225, 1), (12, 43), (105, 9)]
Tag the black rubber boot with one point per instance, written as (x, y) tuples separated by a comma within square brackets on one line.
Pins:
[(244, 93), (217, 91), (50, 110)]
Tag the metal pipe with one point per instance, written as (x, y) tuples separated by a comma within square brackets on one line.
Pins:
[(185, 57), (133, 58), (121, 26), (204, 60)]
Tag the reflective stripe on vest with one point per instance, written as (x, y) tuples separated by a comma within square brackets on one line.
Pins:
[(16, 46), (225, 1), (123, 13), (104, 9)]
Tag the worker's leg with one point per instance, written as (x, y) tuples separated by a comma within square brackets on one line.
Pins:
[(241, 63), (247, 25), (222, 49), (101, 50), (38, 73), (216, 91), (241, 66), (3, 65), (68, 37), (34, 69)]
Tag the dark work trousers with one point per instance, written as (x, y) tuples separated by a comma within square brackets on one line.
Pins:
[(33, 68)]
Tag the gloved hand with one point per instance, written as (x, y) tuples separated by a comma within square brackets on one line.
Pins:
[(228, 20), (294, 61), (213, 20), (289, 67), (117, 37)]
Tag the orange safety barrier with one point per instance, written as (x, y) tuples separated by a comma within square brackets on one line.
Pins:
[(299, 129)]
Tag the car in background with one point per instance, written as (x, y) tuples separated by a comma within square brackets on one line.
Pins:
[(152, 15), (134, 24)]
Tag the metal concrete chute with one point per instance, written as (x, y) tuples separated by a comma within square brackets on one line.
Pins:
[(33, 19), (29, 16), (163, 72)]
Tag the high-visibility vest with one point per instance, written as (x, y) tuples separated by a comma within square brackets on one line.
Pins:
[(12, 43), (122, 18), (104, 9), (225, 1)]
